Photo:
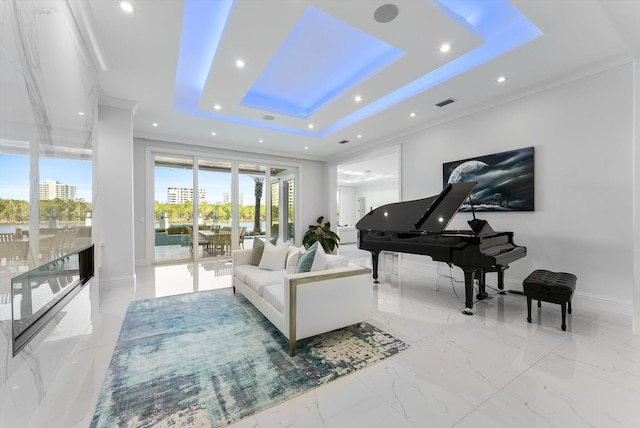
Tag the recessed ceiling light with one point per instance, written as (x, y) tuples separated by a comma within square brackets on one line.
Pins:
[(126, 6), (155, 125), (260, 141), (501, 79), (240, 63), (445, 47), (213, 133), (306, 148), (80, 113), (217, 107), (412, 115), (358, 98), (359, 135), (311, 126)]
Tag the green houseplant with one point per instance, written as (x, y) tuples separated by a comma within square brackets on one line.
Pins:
[(322, 234)]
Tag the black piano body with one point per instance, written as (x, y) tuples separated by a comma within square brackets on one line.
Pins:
[(418, 227)]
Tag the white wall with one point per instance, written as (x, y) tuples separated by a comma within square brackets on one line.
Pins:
[(582, 134), (347, 204), (311, 204), (378, 194)]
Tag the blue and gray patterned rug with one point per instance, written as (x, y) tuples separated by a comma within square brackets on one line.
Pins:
[(210, 359)]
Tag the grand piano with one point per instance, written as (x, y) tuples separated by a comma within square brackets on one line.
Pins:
[(418, 227)]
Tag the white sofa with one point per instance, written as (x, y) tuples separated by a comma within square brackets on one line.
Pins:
[(302, 305)]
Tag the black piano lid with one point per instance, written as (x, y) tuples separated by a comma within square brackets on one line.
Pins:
[(431, 215)]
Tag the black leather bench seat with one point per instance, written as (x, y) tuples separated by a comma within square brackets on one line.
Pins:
[(553, 287)]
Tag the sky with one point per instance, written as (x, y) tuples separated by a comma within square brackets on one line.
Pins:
[(14, 175), (14, 179)]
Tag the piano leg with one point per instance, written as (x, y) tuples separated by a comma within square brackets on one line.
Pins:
[(469, 275), (374, 263), (501, 279), (481, 275)]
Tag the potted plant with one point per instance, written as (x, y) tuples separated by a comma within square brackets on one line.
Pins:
[(322, 234)]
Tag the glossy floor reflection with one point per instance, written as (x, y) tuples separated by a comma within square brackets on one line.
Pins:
[(491, 369)]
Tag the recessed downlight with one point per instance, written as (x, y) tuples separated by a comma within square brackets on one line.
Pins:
[(80, 113), (445, 47), (213, 133), (260, 141), (306, 148), (359, 135), (357, 98), (310, 126), (501, 79), (217, 107), (155, 125), (127, 7), (412, 114), (240, 63)]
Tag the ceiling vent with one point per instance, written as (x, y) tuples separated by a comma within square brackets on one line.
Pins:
[(445, 102), (343, 142)]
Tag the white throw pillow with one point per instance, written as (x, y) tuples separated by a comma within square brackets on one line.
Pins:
[(292, 262), (273, 257), (319, 260)]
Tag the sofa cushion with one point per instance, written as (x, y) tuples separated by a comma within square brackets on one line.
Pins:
[(273, 257), (319, 260), (258, 249), (306, 260), (312, 260), (256, 278), (292, 262), (274, 295)]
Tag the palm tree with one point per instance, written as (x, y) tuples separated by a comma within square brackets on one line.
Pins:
[(259, 181)]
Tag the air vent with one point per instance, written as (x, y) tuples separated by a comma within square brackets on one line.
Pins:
[(343, 142), (445, 102)]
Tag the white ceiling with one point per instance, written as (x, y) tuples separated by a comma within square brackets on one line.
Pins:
[(139, 54)]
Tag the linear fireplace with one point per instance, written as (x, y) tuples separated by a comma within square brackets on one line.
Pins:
[(39, 295)]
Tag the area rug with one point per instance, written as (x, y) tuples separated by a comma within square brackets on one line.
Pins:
[(209, 359)]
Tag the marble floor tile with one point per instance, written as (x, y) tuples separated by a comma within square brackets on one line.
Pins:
[(492, 369)]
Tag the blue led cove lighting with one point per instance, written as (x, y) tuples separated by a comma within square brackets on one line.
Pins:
[(498, 23), (320, 59)]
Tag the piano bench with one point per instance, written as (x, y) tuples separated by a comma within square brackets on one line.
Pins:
[(553, 287)]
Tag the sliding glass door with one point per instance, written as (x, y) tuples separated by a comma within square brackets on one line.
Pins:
[(215, 201), (205, 208), (173, 196)]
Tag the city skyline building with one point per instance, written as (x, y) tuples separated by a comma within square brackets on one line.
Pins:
[(179, 195), (52, 189)]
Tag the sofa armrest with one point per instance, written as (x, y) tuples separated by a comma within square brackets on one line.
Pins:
[(241, 257), (352, 283)]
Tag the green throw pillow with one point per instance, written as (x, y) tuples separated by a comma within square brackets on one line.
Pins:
[(306, 260), (258, 249)]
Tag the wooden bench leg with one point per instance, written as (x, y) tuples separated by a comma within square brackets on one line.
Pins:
[(564, 316), (528, 309), (569, 310)]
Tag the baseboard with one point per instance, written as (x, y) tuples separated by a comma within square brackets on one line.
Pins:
[(602, 303), (593, 301)]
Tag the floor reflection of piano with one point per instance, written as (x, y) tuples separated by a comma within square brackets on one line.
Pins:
[(418, 227)]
